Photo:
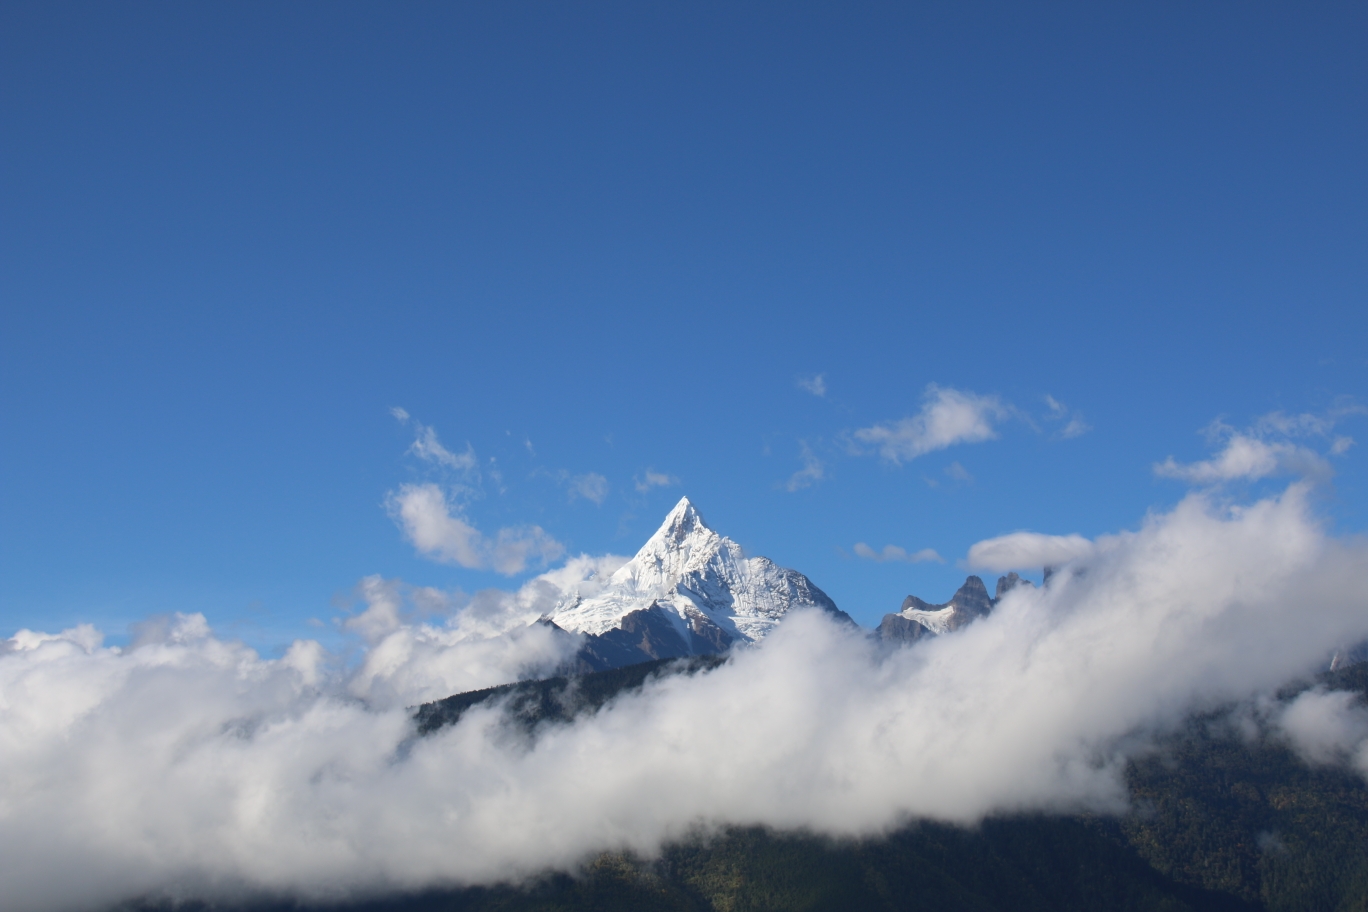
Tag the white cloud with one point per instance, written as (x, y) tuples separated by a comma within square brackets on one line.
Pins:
[(895, 553), (959, 473), (815, 385), (1075, 428), (590, 486), (947, 417), (491, 640), (583, 576), (653, 479), (483, 640), (1326, 727), (1306, 424), (1266, 449), (1027, 551), (429, 448), (813, 470), (1246, 458), (426, 517), (192, 768), (383, 606), (1074, 425)]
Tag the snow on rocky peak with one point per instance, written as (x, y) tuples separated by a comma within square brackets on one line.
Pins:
[(701, 582)]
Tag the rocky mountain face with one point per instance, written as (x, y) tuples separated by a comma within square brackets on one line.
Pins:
[(688, 591), (917, 618)]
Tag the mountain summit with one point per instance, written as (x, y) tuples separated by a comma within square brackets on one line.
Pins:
[(688, 591)]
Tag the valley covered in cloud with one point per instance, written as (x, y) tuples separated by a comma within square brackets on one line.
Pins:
[(185, 765)]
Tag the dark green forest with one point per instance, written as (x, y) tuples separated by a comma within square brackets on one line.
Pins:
[(1218, 823)]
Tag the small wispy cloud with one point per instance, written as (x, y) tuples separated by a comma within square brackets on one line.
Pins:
[(1075, 428), (813, 470), (895, 553), (652, 479), (815, 384), (947, 417), (1074, 425), (591, 486), (427, 447), (959, 473), (1306, 424)]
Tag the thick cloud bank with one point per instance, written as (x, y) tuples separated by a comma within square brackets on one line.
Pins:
[(190, 766)]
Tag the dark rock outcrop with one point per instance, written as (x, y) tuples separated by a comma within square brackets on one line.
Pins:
[(1006, 584), (894, 628)]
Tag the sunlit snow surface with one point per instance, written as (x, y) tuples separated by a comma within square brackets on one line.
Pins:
[(935, 621), (688, 569)]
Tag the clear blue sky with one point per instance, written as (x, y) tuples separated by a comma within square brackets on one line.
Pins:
[(602, 240)]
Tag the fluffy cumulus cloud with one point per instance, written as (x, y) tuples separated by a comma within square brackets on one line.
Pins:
[(1267, 448), (188, 766), (947, 417), (490, 638), (431, 522), (1245, 457), (815, 384), (895, 553)]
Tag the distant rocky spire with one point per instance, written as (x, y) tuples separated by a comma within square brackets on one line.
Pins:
[(1006, 584), (918, 618)]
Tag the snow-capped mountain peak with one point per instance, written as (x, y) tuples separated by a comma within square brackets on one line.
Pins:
[(681, 545), (701, 584)]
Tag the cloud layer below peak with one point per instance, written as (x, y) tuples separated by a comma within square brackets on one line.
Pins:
[(188, 766)]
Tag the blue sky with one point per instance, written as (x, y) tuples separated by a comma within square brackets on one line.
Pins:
[(587, 247)]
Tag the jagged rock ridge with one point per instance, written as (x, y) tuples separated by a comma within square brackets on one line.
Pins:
[(917, 618), (688, 591)]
